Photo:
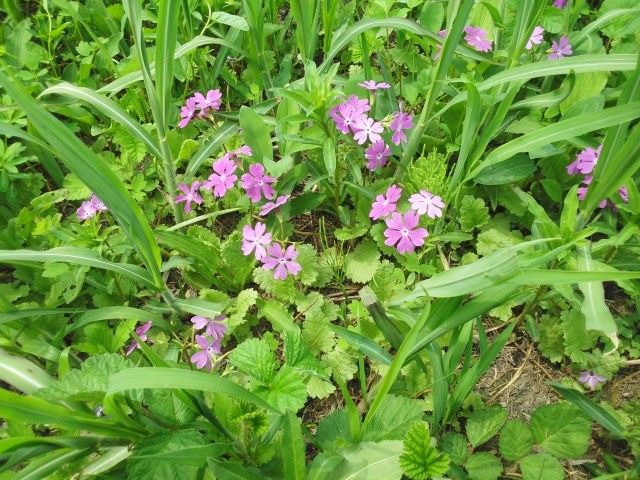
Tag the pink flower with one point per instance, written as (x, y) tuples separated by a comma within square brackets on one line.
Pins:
[(190, 195), (377, 154), (223, 177), (585, 161), (372, 85), (560, 49), (270, 206), (366, 127), (211, 101), (213, 328), (141, 331), (255, 239), (426, 202), (401, 229), (243, 150), (536, 37), (582, 192), (89, 208), (441, 34), (199, 322), (347, 113), (257, 184), (560, 4), (187, 112), (591, 379), (401, 121), (281, 261), (209, 347), (477, 38), (385, 204), (624, 194)]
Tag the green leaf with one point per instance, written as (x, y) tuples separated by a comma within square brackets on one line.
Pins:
[(561, 430), (394, 419), (562, 130), (44, 465), (329, 155), (419, 459), (483, 466), (258, 136), (232, 20), (483, 424), (229, 470), (516, 168), (254, 357), (370, 460), (361, 264), (541, 466), (293, 448), (89, 383), (455, 445), (178, 378), (516, 440), (22, 374), (210, 145), (114, 313), (367, 346), (78, 256), (287, 391), (473, 213)]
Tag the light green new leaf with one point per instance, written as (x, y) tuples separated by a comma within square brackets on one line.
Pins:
[(94, 173), (596, 313), (22, 374), (78, 256), (108, 107), (232, 20)]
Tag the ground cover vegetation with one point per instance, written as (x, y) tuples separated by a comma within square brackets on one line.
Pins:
[(345, 239)]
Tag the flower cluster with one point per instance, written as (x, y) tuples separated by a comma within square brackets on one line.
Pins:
[(402, 229), (209, 344), (141, 331), (584, 164), (90, 208), (199, 105), (351, 117), (258, 241), (255, 182)]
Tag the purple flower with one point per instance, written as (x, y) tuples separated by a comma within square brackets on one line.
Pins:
[(347, 113), (560, 49), (190, 195), (560, 4), (199, 322), (257, 184), (141, 331), (385, 205), (209, 347), (223, 177), (536, 37), (187, 112), (441, 34), (243, 150), (377, 155), (582, 192), (585, 161), (270, 206), (213, 328), (211, 101), (477, 38), (372, 85), (281, 261), (255, 240), (591, 379), (401, 121), (401, 230), (89, 208), (365, 127), (426, 202), (624, 194)]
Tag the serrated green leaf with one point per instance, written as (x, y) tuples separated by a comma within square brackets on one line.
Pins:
[(362, 264), (419, 459), (516, 440), (483, 424), (483, 466), (561, 430), (394, 419), (455, 445), (473, 213), (371, 460), (286, 392), (255, 357), (541, 466)]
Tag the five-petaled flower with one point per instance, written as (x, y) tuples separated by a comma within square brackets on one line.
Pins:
[(141, 332), (591, 379), (282, 262), (211, 101), (256, 183), (560, 49), (426, 202), (377, 155), (189, 195), (477, 38), (401, 121), (403, 230), (213, 328), (372, 85), (223, 177), (366, 127), (187, 112), (270, 206), (585, 161), (385, 205), (89, 208), (255, 240), (536, 37), (345, 114), (209, 347)]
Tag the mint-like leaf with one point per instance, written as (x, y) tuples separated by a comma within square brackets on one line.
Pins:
[(484, 424), (419, 459)]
